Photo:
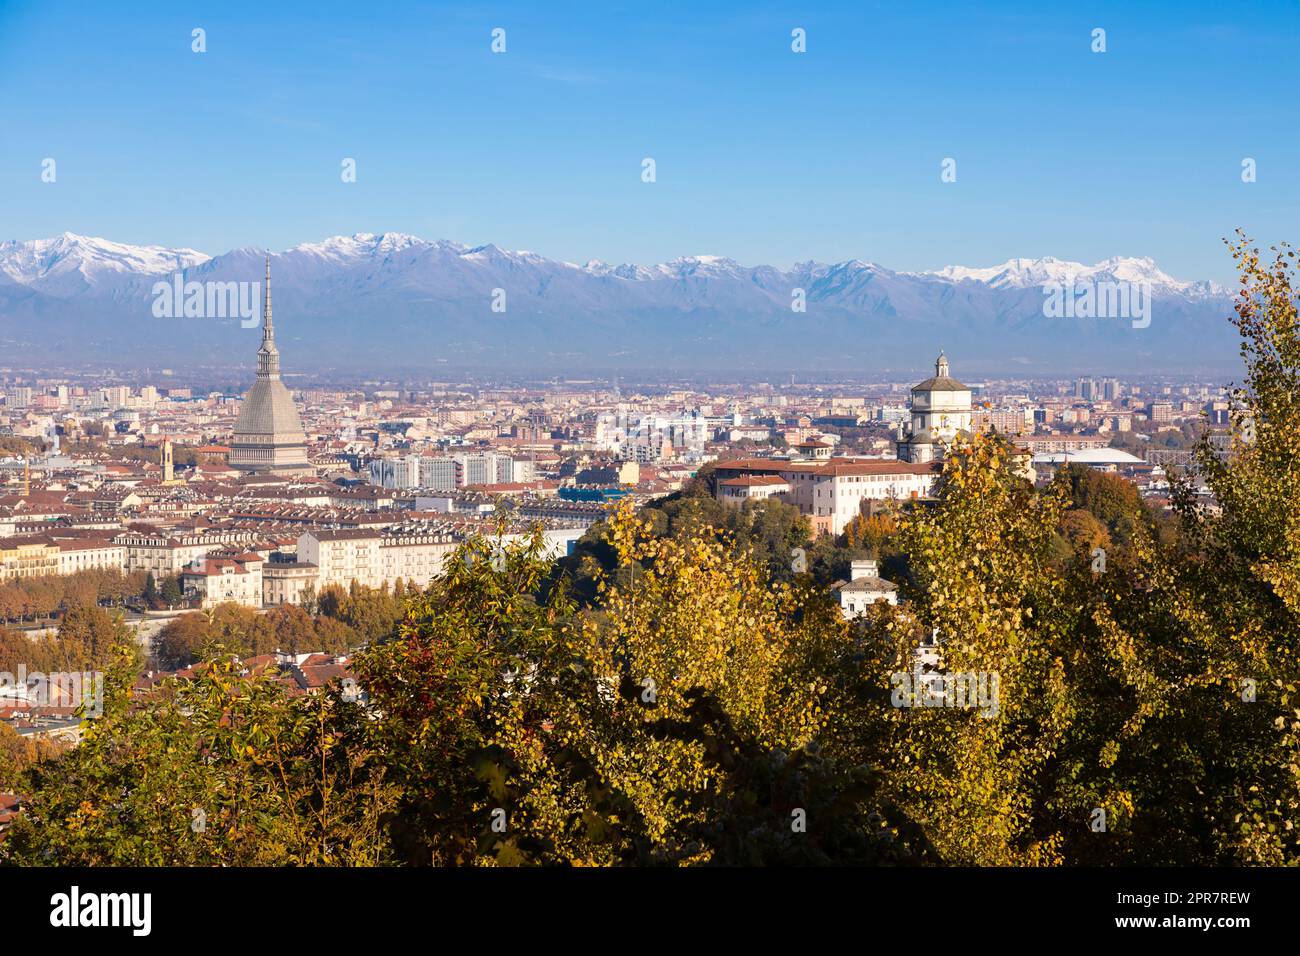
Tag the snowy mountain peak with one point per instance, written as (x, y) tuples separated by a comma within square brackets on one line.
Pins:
[(46, 261), (358, 245), (1023, 273), (702, 266)]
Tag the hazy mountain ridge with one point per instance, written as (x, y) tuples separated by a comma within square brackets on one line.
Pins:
[(395, 299)]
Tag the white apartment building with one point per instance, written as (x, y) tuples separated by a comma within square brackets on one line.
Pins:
[(83, 554), (831, 492), (18, 396), (515, 470), (478, 469), (236, 580), (449, 472), (736, 491), (416, 559), (343, 556), (373, 559), (440, 474), (170, 554), (838, 492), (287, 582), (116, 396), (864, 588), (401, 472)]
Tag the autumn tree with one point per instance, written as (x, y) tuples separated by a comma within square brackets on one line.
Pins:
[(220, 770), (985, 589), (1237, 605)]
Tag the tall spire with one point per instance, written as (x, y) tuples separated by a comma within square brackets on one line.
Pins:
[(268, 332), (268, 356), (268, 433)]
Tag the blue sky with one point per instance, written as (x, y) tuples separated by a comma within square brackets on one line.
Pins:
[(762, 154)]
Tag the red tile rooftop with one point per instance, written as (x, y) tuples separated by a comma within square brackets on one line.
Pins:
[(215, 568), (319, 675)]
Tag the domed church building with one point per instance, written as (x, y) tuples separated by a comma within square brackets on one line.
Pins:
[(268, 435), (941, 407)]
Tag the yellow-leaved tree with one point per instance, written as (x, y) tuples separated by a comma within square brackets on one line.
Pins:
[(967, 761)]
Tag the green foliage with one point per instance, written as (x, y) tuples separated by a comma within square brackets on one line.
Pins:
[(221, 771), (83, 641), (170, 592), (371, 613), (243, 630), (983, 582), (1113, 501), (151, 596), (764, 530), (675, 725), (41, 597)]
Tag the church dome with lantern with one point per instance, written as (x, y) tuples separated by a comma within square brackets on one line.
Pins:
[(941, 408)]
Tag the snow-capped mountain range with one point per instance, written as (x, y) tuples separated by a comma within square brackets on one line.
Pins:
[(383, 298), (1035, 273), (71, 262), (46, 263)]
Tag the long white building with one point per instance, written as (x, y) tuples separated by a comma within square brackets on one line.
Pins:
[(829, 492), (165, 554), (449, 472)]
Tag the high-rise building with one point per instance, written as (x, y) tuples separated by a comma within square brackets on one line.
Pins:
[(440, 474), (268, 433), (117, 396), (1008, 421), (479, 469), (515, 469), (401, 472), (18, 396)]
